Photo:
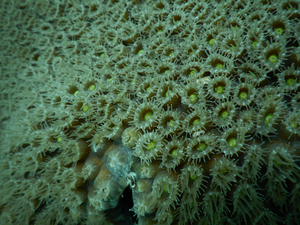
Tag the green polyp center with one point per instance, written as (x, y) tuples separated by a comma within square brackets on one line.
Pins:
[(59, 139), (254, 44), (279, 30), (159, 31), (294, 124), (192, 53), (277, 162), (92, 87), (102, 55), (193, 176), (171, 54), (150, 146), (211, 41), (196, 122), (193, 72), (171, 123), (148, 89), (76, 93), (219, 65), (140, 52), (219, 89), (166, 188), (167, 71), (273, 58), (110, 80), (193, 98), (243, 95), (224, 115), (290, 81), (223, 170), (232, 142), (202, 146), (268, 118), (174, 153), (85, 108), (168, 93), (148, 115)]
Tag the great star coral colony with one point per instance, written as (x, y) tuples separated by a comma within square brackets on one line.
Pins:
[(193, 104)]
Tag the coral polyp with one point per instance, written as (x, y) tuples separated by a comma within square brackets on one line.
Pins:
[(139, 112)]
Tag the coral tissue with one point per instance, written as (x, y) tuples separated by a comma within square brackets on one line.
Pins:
[(150, 112)]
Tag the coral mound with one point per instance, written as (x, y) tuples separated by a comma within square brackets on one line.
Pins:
[(150, 112)]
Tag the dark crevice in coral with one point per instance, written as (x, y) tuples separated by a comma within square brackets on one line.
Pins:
[(121, 215)]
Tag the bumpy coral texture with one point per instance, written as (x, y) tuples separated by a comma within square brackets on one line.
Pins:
[(150, 112)]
